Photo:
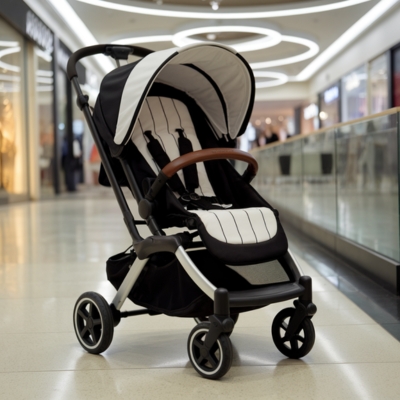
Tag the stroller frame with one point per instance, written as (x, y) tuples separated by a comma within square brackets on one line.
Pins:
[(94, 329)]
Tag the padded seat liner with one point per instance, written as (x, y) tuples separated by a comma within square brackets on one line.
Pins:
[(162, 116), (243, 226)]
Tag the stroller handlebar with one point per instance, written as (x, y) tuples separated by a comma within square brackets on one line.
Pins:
[(116, 51)]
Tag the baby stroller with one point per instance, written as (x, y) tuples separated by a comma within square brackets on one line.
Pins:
[(165, 127)]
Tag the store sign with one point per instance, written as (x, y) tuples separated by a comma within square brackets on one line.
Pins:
[(39, 32), (331, 94)]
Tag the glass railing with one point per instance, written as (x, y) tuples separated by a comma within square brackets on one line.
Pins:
[(344, 178)]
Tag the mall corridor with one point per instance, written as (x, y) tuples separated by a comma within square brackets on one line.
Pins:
[(53, 251), (225, 173)]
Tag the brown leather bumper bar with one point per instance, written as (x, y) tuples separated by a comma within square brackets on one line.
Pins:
[(208, 155)]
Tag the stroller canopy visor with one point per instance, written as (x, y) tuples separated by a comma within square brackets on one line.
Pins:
[(215, 76)]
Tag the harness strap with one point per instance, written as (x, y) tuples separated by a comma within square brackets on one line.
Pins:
[(162, 159), (188, 197), (190, 172)]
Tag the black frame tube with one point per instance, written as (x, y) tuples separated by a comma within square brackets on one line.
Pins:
[(128, 217), (112, 50)]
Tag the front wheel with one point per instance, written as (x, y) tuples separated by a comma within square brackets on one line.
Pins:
[(299, 344), (216, 362), (199, 320), (93, 322)]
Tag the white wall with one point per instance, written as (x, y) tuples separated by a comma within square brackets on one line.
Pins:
[(288, 91), (379, 38)]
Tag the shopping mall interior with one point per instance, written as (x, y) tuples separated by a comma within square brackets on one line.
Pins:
[(224, 173)]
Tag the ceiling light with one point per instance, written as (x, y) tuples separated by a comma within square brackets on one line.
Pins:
[(271, 36), (140, 7), (313, 49), (214, 5), (347, 37), (144, 39), (181, 38), (211, 36), (275, 79), (77, 26), (268, 120)]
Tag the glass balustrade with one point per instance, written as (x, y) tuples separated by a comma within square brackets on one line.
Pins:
[(344, 178)]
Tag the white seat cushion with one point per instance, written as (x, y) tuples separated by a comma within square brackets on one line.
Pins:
[(239, 226)]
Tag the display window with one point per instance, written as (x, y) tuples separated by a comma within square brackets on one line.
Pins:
[(329, 102), (13, 158), (378, 84), (44, 89), (354, 94)]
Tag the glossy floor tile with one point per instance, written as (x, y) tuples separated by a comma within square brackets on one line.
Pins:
[(53, 251)]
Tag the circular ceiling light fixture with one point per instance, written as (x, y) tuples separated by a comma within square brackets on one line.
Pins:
[(140, 7), (313, 49), (181, 38), (149, 38), (271, 37), (275, 79)]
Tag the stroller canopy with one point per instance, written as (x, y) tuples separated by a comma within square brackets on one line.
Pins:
[(215, 76)]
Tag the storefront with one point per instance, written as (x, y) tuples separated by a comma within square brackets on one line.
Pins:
[(329, 106), (379, 86), (37, 111), (354, 94)]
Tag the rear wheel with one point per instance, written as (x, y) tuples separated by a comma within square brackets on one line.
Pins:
[(93, 322), (300, 343), (216, 362)]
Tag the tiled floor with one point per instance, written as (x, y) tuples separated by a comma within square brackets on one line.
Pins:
[(52, 251)]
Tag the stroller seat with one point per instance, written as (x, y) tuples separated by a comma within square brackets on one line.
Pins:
[(165, 131)]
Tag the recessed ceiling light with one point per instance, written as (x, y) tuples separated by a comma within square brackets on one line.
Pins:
[(211, 36), (271, 37), (214, 5), (140, 7), (268, 120)]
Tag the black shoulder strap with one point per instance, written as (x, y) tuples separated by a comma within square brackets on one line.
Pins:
[(162, 159), (190, 172)]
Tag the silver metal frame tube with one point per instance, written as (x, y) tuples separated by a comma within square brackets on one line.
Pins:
[(127, 285), (198, 278)]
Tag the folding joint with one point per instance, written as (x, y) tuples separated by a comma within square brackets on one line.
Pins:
[(116, 315), (82, 100)]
